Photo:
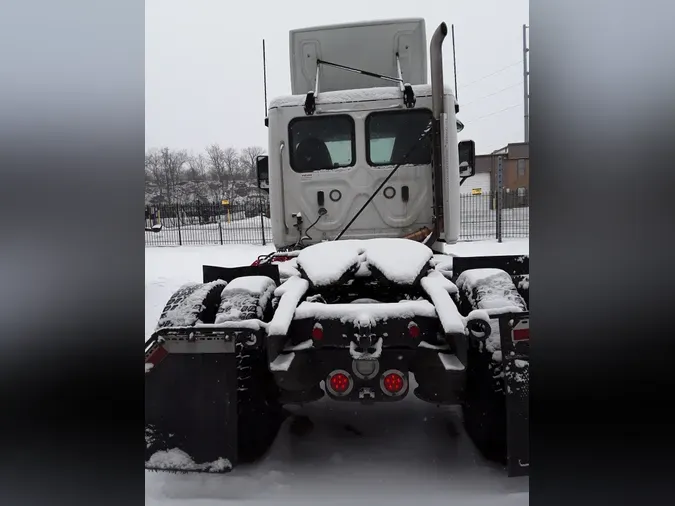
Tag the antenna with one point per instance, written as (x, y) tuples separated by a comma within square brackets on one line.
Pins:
[(265, 77), (454, 62)]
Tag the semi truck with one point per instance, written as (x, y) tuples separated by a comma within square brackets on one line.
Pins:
[(363, 299)]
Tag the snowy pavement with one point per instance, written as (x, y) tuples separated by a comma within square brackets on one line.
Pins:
[(388, 454)]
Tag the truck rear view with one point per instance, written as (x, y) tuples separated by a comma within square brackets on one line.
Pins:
[(361, 300)]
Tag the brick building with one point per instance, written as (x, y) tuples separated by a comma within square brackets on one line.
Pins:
[(515, 174)]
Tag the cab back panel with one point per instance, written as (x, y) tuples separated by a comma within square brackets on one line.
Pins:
[(403, 207)]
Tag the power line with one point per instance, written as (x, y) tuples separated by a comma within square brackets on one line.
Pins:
[(492, 94), (492, 114), (493, 74)]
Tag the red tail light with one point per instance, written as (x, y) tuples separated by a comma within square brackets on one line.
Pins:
[(339, 382), (521, 332), (393, 382), (521, 335), (317, 332), (413, 330)]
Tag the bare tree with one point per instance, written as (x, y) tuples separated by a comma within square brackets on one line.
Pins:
[(164, 168), (172, 165), (153, 168), (214, 191), (248, 160), (176, 176), (197, 167), (231, 159), (217, 168)]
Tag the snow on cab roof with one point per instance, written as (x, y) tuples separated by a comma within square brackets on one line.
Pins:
[(357, 95), (399, 260)]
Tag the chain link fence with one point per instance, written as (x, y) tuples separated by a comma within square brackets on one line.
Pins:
[(202, 224)]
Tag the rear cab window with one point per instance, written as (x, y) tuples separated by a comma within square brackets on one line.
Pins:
[(322, 143), (390, 135)]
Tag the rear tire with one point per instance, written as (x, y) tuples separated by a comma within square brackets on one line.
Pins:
[(259, 413), (184, 308)]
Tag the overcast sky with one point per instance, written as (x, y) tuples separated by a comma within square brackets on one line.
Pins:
[(204, 78)]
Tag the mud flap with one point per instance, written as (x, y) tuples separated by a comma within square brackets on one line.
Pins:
[(514, 332), (191, 404), (212, 273)]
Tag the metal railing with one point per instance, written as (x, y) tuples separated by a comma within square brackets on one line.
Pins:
[(202, 224), (197, 224), (480, 218)]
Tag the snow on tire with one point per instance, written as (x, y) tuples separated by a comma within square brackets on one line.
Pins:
[(190, 304)]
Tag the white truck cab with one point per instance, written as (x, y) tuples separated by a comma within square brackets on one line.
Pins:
[(363, 126)]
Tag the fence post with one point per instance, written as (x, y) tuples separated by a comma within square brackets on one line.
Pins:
[(216, 213), (500, 191), (262, 221), (180, 239)]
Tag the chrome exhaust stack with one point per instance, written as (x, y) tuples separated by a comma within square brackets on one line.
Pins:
[(436, 60)]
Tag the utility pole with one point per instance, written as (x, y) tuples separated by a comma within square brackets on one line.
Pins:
[(500, 195), (526, 87), (265, 77), (454, 61)]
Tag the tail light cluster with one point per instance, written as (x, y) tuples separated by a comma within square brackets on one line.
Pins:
[(392, 382)]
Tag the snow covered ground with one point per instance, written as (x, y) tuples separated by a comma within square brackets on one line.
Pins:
[(389, 454)]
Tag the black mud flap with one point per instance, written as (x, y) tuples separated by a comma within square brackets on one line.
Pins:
[(214, 273), (514, 332), (190, 403)]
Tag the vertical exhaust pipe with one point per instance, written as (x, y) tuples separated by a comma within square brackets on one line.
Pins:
[(436, 56), (436, 59)]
